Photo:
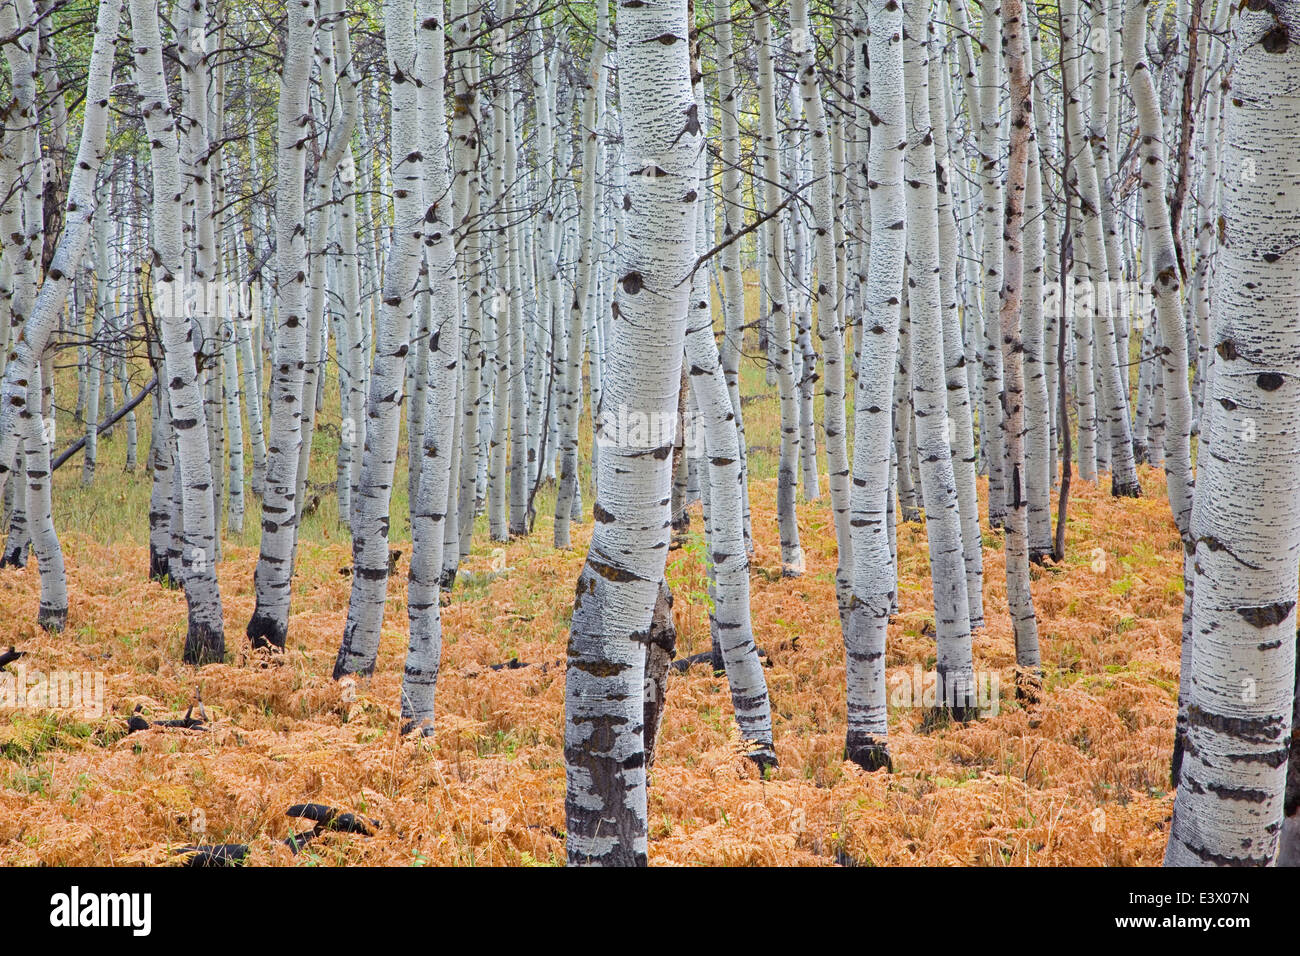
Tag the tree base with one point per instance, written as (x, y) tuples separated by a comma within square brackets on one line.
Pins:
[(159, 569), (1125, 490), (937, 718), (418, 728), (52, 619), (763, 757), (205, 645), (793, 564), (868, 753), (263, 632), (1029, 685)]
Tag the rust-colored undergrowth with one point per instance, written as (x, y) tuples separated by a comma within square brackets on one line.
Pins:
[(1082, 778)]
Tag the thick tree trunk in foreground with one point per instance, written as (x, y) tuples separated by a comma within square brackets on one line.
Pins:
[(1229, 806), (605, 805)]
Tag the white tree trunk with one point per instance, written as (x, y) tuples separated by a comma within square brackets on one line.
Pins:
[(205, 640), (269, 625), (943, 519), (960, 425), (428, 510), (767, 164), (829, 331), (370, 526), (605, 803), (1229, 806), (43, 319), (874, 582), (1020, 601)]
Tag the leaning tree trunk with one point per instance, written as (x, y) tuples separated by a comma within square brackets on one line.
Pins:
[(605, 805), (47, 309), (724, 512), (1229, 807)]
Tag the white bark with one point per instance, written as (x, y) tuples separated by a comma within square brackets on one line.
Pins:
[(205, 640), (829, 331), (960, 424), (1229, 805), (269, 625), (767, 164), (370, 525), (428, 510), (874, 582), (943, 519), (29, 348), (1020, 601), (605, 804)]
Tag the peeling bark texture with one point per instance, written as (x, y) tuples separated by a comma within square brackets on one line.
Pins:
[(660, 650)]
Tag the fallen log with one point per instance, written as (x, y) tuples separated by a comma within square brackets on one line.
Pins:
[(108, 423)]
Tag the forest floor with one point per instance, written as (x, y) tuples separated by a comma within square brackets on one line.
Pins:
[(1081, 778)]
